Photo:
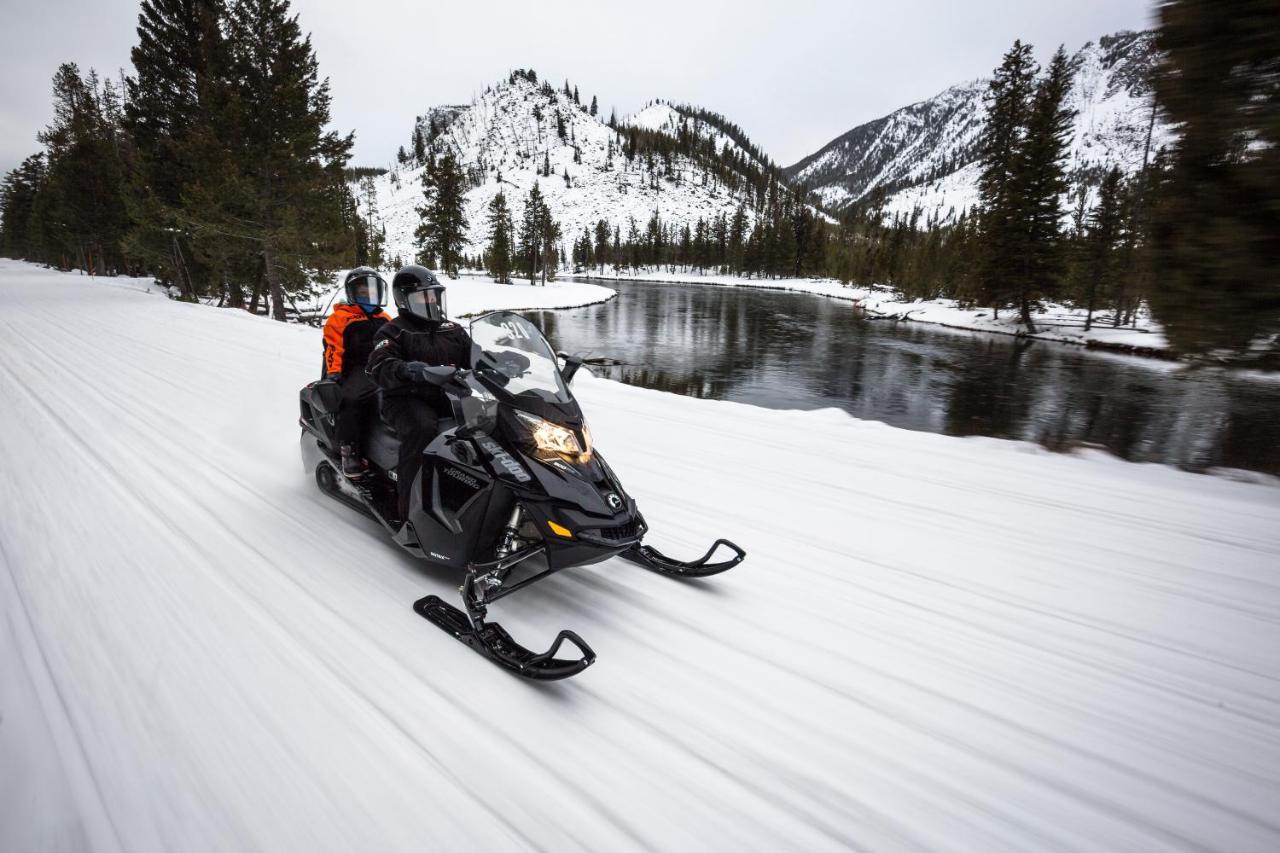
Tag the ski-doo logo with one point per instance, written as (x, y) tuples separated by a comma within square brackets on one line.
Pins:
[(462, 477), (503, 458), (614, 501)]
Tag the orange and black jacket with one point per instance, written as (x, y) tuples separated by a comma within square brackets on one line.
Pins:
[(348, 338)]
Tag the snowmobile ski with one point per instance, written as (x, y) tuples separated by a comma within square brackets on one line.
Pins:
[(654, 560), (492, 641)]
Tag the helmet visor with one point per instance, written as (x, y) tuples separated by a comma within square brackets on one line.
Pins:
[(367, 291), (428, 304)]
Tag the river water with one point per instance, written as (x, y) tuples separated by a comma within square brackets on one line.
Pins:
[(788, 350)]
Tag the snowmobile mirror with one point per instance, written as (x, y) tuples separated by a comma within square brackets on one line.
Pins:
[(571, 365)]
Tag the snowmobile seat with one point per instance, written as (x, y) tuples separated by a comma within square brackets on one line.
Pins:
[(326, 395), (382, 444)]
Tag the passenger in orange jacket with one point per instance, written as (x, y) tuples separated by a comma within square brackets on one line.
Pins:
[(348, 340)]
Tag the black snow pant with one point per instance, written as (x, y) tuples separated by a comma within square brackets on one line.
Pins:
[(416, 422), (358, 394)]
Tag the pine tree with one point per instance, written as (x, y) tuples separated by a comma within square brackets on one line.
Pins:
[(180, 48), (500, 233), (371, 236), (737, 240), (17, 204), (419, 144), (283, 193), (602, 243), (79, 215), (180, 65), (550, 239), (529, 243), (595, 107), (1215, 235), (442, 232), (1039, 182), (1001, 145), (1101, 243)]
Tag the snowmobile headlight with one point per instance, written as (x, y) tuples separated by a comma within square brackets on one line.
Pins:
[(554, 438)]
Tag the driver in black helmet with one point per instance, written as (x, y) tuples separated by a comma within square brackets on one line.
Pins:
[(419, 337)]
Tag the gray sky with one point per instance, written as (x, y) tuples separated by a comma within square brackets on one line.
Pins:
[(794, 74)]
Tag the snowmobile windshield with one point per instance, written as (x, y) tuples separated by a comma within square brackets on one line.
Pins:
[(512, 354), (367, 291)]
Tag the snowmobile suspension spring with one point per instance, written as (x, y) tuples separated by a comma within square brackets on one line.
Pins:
[(508, 543)]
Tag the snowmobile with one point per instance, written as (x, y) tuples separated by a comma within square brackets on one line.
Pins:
[(511, 491)]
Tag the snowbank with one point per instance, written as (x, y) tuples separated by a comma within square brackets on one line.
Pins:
[(472, 295), (935, 643), (1054, 323)]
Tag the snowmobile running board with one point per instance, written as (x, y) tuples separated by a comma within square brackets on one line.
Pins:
[(654, 560), (493, 642)]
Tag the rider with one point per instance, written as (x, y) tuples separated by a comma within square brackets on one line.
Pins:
[(420, 336), (348, 340)]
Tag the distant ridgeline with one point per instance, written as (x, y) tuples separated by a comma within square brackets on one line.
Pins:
[(925, 155)]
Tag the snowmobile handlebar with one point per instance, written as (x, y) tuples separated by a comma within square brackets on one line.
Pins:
[(433, 374)]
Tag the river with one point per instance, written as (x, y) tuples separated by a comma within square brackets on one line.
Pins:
[(789, 350)]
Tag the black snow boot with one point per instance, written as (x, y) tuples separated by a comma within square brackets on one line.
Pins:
[(353, 465)]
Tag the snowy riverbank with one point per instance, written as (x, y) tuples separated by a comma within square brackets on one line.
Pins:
[(1057, 323), (473, 294), (934, 644)]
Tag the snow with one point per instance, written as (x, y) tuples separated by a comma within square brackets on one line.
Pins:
[(935, 643), (1054, 322), (472, 295)]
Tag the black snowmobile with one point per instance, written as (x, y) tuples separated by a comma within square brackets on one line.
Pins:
[(511, 490)]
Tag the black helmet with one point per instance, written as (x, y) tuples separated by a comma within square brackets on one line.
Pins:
[(418, 292), (365, 288)]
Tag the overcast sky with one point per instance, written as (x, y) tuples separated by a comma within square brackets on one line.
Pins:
[(793, 74)]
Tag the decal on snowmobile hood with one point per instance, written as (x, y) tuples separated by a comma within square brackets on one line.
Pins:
[(503, 458)]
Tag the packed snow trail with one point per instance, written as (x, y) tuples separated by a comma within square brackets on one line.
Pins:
[(934, 643)]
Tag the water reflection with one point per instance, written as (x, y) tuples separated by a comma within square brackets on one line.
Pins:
[(794, 351)]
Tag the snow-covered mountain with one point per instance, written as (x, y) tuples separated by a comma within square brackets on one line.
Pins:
[(923, 155), (511, 132)]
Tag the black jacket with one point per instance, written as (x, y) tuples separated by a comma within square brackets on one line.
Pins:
[(409, 338)]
